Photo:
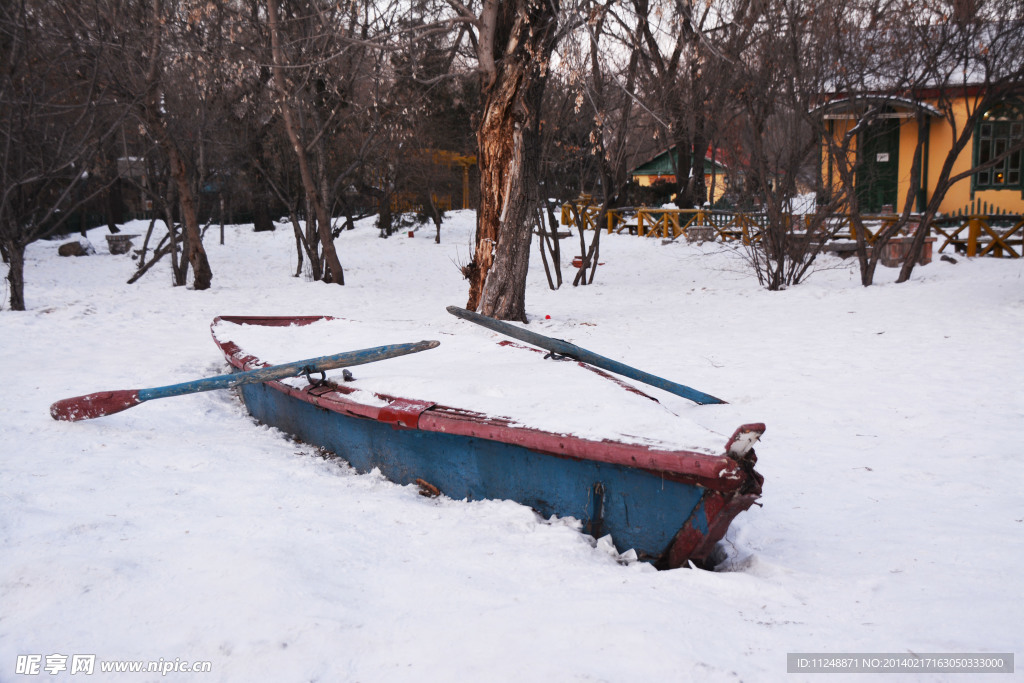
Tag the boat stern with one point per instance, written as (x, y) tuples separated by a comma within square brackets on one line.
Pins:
[(710, 520)]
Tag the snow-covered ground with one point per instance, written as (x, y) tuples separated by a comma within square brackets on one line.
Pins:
[(182, 531)]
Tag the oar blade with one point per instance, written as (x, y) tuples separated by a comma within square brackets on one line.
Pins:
[(94, 405)]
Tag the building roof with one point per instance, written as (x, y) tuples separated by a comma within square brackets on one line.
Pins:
[(663, 164), (855, 108)]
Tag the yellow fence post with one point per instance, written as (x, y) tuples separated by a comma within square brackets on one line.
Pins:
[(973, 233)]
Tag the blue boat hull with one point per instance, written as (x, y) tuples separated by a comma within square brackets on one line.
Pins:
[(668, 517), (475, 469)]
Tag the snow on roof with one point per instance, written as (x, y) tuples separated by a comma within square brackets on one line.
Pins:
[(853, 107)]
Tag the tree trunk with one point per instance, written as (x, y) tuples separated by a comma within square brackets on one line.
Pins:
[(178, 272), (300, 245), (508, 156), (697, 187), (113, 199), (498, 282), (14, 253), (196, 255), (261, 219)]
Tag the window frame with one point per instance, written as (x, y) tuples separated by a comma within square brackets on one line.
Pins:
[(1000, 127)]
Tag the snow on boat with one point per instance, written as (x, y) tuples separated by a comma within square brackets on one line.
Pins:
[(451, 421)]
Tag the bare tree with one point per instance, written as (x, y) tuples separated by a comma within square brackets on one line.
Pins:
[(689, 54), (775, 142), (606, 93), (144, 51), (286, 91), (983, 70), (54, 117), (155, 58)]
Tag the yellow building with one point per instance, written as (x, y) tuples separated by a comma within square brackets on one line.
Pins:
[(883, 152)]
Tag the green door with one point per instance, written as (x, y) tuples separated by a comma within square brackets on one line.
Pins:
[(878, 165)]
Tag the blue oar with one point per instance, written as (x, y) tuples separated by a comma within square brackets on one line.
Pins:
[(109, 402), (575, 352)]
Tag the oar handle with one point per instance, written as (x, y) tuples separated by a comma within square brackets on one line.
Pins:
[(583, 355), (110, 402)]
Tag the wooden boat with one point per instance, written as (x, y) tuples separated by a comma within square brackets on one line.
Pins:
[(669, 505)]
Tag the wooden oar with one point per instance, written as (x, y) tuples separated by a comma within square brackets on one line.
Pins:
[(109, 402), (583, 355)]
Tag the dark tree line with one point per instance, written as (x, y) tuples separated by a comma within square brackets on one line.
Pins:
[(323, 112)]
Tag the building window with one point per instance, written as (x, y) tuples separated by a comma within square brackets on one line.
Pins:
[(1000, 138)]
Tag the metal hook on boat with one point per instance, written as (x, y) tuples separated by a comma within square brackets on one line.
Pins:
[(318, 382)]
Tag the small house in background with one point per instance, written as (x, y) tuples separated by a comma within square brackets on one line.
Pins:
[(662, 168), (887, 143)]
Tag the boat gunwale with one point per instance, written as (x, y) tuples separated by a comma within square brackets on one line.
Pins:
[(721, 473)]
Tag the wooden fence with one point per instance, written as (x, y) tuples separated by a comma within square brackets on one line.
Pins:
[(973, 234), (996, 235)]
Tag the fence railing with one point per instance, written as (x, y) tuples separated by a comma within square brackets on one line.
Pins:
[(971, 234), (990, 235)]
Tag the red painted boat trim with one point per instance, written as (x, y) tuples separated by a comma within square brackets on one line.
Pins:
[(403, 413)]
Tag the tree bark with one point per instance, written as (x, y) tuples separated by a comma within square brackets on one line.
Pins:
[(516, 70)]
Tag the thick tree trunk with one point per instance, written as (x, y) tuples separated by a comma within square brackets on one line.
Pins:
[(508, 157)]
